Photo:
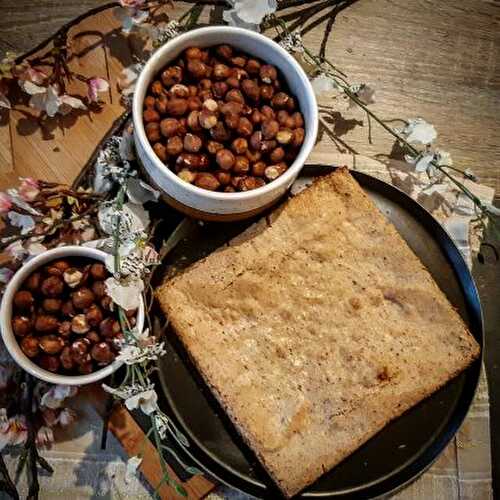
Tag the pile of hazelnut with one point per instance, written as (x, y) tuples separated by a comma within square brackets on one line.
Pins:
[(63, 319), (223, 120)]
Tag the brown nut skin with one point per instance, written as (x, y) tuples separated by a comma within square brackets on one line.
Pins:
[(207, 181), (253, 156), (239, 146), (239, 61), (57, 268), (179, 90), (268, 146), (256, 117), (266, 92), (45, 323), (51, 344), (161, 104), (193, 53), (49, 363), (86, 368), (248, 183), (94, 315), (99, 289), (23, 300), (233, 83), (223, 177), (280, 100), (33, 282), (175, 145), (224, 51), (203, 162), (193, 121), (22, 326), (277, 154), (64, 329), (256, 140), (109, 327), (231, 120), (206, 94), (258, 169), (268, 73), (102, 353), (177, 106), (235, 95), (245, 127), (79, 324), (214, 146), (107, 303), (268, 112), (157, 88), (290, 104), (298, 119), (79, 349), (197, 69), (205, 84), (172, 75), (182, 126), (66, 358), (225, 159), (150, 115), (29, 345), (93, 337), (241, 165), (188, 160), (169, 127), (149, 101), (298, 137), (52, 305), (220, 133), (194, 103), (269, 129), (68, 309), (160, 151), (229, 189), (153, 132), (253, 66), (231, 108), (274, 171), (192, 143), (219, 89), (83, 298), (251, 89), (207, 119), (285, 120)]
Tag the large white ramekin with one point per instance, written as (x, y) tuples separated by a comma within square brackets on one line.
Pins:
[(10, 339), (199, 202)]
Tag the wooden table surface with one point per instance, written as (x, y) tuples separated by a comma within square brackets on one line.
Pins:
[(436, 59)]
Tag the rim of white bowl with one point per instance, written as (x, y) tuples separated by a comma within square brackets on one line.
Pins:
[(309, 139), (10, 340)]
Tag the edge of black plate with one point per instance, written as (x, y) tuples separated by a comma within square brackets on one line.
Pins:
[(407, 474)]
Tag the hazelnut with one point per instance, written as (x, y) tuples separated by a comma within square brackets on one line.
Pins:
[(169, 127), (153, 132), (86, 367), (284, 136), (233, 108), (94, 315), (177, 106), (267, 146), (51, 344), (64, 329), (253, 66), (223, 177), (232, 120), (109, 327), (256, 117), (52, 305), (207, 119), (203, 162), (23, 300), (83, 298), (157, 88), (160, 151), (72, 277), (220, 133), (279, 100), (29, 345), (46, 323), (179, 90), (249, 183), (244, 127), (219, 89), (235, 95), (250, 89), (193, 90), (221, 71), (235, 180), (290, 104), (284, 119), (192, 143), (241, 165), (33, 282), (182, 126), (149, 101), (266, 92), (225, 159), (188, 160), (269, 129), (229, 189), (187, 176), (66, 358), (174, 145), (57, 268), (239, 145), (268, 73), (193, 121), (277, 154), (194, 103), (259, 168), (224, 51), (274, 171), (239, 61), (246, 110), (107, 303), (68, 309), (233, 82), (171, 76), (298, 137), (267, 111), (207, 181), (211, 105), (206, 94), (252, 155), (214, 146), (102, 353), (197, 69), (256, 140), (49, 363), (150, 115), (205, 84), (298, 119), (161, 104), (193, 53), (93, 337), (239, 74), (98, 271), (79, 324), (79, 350), (21, 326)]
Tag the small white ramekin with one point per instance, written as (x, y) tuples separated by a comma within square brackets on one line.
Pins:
[(10, 339), (202, 203)]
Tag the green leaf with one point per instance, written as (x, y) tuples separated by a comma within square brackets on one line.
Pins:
[(181, 490), (194, 470)]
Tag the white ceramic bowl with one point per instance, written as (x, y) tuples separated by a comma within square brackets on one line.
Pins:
[(199, 202), (10, 339)]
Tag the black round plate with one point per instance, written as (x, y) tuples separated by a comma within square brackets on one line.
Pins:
[(397, 454)]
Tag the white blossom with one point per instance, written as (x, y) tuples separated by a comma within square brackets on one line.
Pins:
[(146, 349), (6, 274), (161, 35), (292, 42), (442, 158), (422, 162), (323, 83), (47, 99), (56, 395), (133, 464), (25, 222), (162, 424), (66, 417), (139, 192), (418, 131), (146, 401), (364, 93), (126, 293), (130, 222), (249, 14), (128, 78)]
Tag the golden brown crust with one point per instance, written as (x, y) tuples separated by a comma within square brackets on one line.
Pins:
[(315, 332)]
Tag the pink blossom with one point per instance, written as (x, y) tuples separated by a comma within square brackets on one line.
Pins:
[(67, 417), (44, 436), (5, 203), (28, 189), (33, 75), (96, 85), (13, 431), (132, 4)]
